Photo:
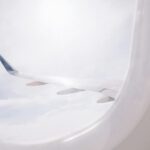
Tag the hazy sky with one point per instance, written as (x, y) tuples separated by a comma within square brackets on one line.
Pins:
[(73, 38), (70, 38)]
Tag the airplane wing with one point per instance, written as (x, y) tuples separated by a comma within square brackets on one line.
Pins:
[(109, 94), (14, 72)]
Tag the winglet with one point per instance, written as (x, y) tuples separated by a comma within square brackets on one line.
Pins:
[(7, 66)]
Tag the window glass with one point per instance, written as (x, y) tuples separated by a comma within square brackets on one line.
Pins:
[(67, 61)]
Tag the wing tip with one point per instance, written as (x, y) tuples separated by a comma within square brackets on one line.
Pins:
[(7, 66)]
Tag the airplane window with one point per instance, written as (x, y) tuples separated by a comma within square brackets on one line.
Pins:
[(62, 65)]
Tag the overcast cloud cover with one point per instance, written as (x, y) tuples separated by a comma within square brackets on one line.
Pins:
[(70, 38)]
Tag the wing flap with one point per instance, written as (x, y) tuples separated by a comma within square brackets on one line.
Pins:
[(70, 91), (36, 83)]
